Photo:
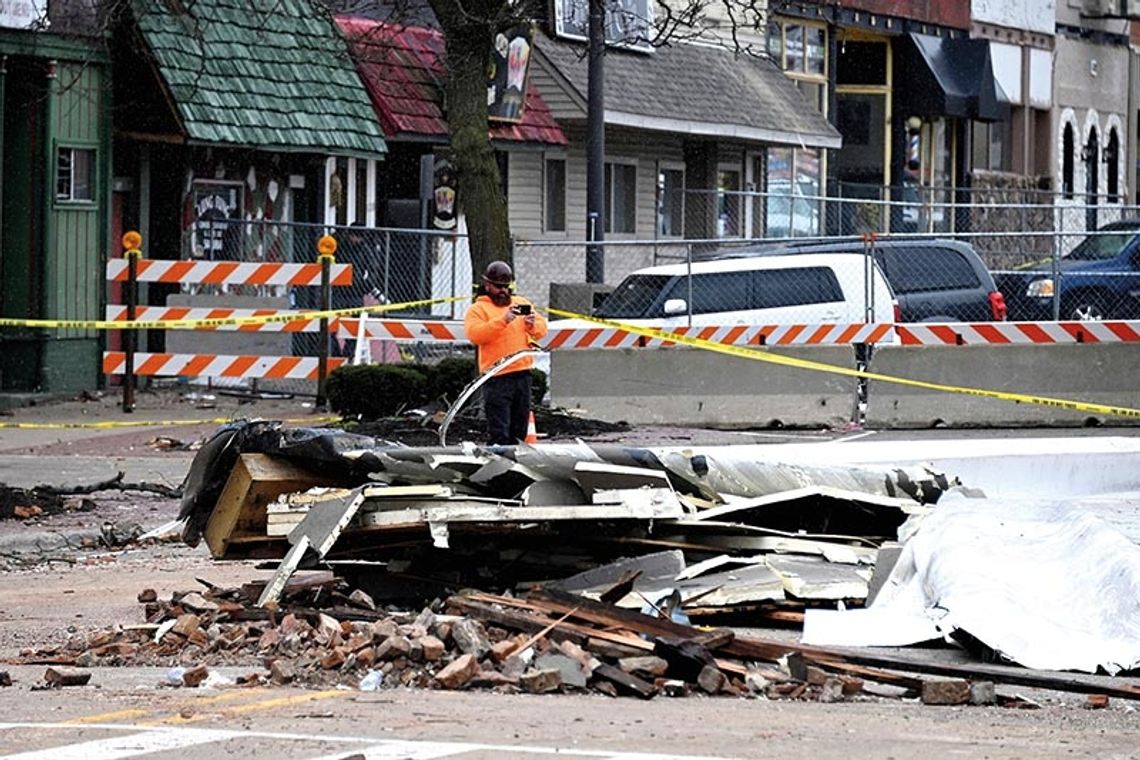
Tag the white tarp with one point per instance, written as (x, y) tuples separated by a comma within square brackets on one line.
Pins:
[(1047, 585)]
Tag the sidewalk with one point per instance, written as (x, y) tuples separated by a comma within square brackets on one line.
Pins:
[(100, 440)]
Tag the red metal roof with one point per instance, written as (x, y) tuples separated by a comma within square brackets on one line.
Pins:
[(403, 69)]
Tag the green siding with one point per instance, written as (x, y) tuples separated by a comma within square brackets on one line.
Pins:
[(73, 262), (268, 74), (74, 251)]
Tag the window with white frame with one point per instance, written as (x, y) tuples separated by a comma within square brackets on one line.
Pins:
[(793, 200), (670, 199), (350, 191), (75, 175), (621, 197), (554, 194)]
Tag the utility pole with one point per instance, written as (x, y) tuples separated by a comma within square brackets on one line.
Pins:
[(596, 145)]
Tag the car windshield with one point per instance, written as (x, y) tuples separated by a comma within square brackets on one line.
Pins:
[(1101, 246), (633, 297)]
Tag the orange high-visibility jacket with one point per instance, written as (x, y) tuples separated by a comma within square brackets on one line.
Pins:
[(486, 327)]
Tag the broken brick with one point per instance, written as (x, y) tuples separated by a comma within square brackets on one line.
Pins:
[(711, 680), (459, 673), (194, 676), (952, 691), (433, 648), (541, 681)]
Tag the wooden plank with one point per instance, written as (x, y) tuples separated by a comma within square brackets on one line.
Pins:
[(470, 512), (255, 480)]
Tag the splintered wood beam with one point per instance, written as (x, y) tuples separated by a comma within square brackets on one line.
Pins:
[(751, 648)]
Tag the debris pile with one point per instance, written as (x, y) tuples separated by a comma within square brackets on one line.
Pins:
[(322, 634)]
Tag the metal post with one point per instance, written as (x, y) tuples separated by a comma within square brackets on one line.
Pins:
[(689, 279), (1056, 274), (326, 249), (596, 144), (132, 244)]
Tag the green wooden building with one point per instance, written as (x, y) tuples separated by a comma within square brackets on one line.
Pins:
[(55, 133)]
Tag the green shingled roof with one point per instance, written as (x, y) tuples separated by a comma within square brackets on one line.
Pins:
[(269, 74)]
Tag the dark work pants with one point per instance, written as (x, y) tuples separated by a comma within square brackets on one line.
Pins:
[(506, 404)]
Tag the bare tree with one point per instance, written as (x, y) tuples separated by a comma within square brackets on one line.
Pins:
[(469, 28)]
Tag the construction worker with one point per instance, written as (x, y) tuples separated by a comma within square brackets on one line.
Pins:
[(501, 324)]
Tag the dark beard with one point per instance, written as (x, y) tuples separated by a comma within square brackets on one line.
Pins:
[(500, 298)]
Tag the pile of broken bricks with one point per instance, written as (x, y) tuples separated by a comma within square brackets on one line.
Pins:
[(322, 635)]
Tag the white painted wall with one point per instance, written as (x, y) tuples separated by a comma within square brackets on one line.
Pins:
[(1031, 15)]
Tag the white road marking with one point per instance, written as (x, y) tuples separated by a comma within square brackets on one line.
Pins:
[(404, 750), (125, 746), (174, 738)]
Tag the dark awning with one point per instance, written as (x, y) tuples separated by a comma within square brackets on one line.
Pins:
[(942, 77)]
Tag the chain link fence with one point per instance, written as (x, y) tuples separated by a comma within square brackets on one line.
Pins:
[(390, 266), (1032, 247), (1048, 256)]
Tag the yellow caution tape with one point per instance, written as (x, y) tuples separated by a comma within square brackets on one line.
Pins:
[(150, 423), (760, 354), (192, 324)]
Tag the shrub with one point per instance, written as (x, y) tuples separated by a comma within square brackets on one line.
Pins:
[(450, 377), (372, 391), (538, 386)]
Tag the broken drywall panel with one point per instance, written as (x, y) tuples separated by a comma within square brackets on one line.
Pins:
[(712, 563), (272, 591), (756, 583), (325, 521), (646, 503), (816, 578), (655, 570)]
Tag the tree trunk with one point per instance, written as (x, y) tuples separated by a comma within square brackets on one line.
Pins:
[(469, 34)]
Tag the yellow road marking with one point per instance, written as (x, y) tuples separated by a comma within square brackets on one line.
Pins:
[(110, 717), (265, 704)]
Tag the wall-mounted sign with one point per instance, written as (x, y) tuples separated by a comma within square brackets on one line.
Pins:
[(629, 23), (445, 180), (506, 83), (23, 14), (216, 212)]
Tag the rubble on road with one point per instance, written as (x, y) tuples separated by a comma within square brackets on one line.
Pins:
[(553, 567), (324, 634)]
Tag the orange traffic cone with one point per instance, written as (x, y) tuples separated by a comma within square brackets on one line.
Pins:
[(531, 431)]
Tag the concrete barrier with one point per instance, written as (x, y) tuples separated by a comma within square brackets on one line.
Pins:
[(1095, 373), (683, 386)]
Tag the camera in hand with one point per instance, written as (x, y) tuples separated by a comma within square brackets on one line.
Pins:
[(523, 308)]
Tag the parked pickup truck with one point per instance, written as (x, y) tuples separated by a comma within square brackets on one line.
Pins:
[(1098, 279)]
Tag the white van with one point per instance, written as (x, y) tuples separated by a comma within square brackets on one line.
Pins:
[(810, 288)]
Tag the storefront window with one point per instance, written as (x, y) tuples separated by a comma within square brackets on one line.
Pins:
[(793, 199)]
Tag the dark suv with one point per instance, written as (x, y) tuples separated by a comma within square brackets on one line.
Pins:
[(934, 280), (1099, 279)]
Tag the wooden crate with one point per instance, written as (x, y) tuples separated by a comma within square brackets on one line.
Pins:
[(237, 526)]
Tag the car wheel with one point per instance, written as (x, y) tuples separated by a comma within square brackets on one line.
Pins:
[(1086, 308)]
